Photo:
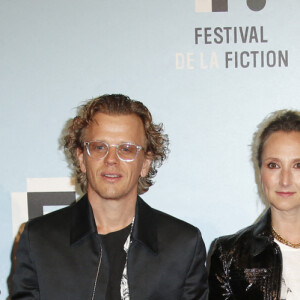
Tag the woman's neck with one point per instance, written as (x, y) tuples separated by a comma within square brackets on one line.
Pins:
[(287, 224)]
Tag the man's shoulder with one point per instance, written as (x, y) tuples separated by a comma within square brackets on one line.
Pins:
[(170, 228), (54, 215), (166, 220), (53, 220), (169, 232), (177, 230), (163, 220)]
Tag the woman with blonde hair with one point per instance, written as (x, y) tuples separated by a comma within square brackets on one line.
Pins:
[(262, 261)]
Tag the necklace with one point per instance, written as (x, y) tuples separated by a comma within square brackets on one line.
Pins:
[(279, 238)]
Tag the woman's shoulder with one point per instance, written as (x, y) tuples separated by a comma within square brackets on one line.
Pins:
[(242, 238), (248, 235)]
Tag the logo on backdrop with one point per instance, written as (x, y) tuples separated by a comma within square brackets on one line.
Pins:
[(222, 5), (43, 196), (231, 47)]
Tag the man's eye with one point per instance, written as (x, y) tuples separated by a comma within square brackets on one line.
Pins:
[(99, 147), (125, 149), (272, 165)]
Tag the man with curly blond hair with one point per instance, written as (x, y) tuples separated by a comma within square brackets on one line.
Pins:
[(111, 245)]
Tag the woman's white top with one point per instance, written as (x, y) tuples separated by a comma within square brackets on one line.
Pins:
[(290, 281)]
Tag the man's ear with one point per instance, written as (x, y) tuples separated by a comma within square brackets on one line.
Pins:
[(146, 164), (80, 157)]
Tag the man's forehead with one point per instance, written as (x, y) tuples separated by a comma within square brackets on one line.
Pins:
[(112, 117), (114, 124)]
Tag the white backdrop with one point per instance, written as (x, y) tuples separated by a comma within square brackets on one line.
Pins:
[(56, 54)]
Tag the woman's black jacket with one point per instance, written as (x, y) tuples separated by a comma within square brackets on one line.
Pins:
[(246, 265)]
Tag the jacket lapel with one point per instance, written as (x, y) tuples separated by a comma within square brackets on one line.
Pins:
[(82, 221), (262, 234), (145, 227)]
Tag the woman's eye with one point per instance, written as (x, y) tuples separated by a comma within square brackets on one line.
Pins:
[(272, 165), (297, 165)]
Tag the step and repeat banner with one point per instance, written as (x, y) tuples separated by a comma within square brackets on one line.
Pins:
[(210, 70)]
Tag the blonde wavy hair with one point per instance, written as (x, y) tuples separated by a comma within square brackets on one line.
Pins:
[(116, 104)]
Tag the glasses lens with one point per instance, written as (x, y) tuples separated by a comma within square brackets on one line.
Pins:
[(98, 149), (127, 151)]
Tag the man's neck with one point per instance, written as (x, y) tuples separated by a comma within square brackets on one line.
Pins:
[(112, 215)]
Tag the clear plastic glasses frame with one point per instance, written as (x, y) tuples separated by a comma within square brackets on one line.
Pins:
[(125, 151)]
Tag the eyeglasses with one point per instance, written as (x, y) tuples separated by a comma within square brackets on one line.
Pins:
[(125, 151)]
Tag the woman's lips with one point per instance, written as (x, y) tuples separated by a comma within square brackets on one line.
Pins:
[(285, 194)]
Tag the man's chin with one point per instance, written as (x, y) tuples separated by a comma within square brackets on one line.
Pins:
[(111, 196)]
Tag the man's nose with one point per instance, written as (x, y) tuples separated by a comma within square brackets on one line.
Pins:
[(111, 157)]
